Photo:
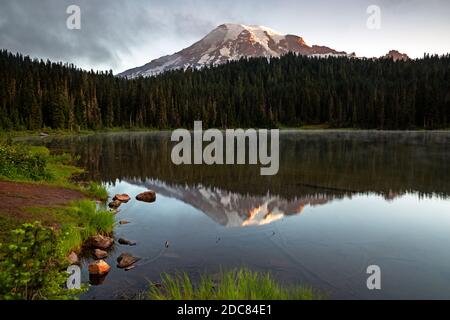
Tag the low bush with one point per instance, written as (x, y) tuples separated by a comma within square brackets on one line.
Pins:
[(19, 162), (32, 265)]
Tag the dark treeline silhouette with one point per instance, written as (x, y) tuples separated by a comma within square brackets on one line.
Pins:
[(258, 92)]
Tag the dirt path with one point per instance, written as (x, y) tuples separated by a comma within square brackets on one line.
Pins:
[(15, 197)]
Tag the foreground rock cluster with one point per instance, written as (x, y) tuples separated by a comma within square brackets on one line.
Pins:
[(147, 196), (100, 244)]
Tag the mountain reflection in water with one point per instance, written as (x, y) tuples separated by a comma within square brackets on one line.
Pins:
[(233, 209)]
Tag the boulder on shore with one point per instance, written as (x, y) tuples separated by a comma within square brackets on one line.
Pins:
[(101, 242), (98, 267), (100, 254), (125, 260), (73, 258), (122, 197), (147, 196)]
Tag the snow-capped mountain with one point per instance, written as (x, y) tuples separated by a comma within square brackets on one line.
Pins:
[(232, 42)]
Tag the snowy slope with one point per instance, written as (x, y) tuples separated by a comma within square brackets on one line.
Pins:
[(232, 42)]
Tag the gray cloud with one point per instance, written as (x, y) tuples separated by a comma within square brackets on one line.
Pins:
[(119, 34)]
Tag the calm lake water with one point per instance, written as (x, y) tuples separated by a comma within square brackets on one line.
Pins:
[(341, 201)]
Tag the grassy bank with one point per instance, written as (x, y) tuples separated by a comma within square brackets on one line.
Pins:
[(33, 254), (35, 164), (240, 284)]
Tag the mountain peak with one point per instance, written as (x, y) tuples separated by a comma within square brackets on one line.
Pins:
[(238, 26), (228, 42), (396, 55)]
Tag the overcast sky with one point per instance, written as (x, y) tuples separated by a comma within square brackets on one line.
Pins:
[(119, 34)]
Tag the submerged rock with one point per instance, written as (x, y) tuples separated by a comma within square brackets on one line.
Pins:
[(127, 242), (100, 254), (101, 242), (125, 260), (99, 267), (114, 204), (147, 196), (96, 280), (122, 197)]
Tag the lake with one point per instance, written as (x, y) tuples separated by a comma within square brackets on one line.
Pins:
[(341, 201)]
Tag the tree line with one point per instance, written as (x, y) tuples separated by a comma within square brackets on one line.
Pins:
[(289, 91)]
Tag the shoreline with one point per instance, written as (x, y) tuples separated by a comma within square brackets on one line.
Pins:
[(17, 135), (45, 219)]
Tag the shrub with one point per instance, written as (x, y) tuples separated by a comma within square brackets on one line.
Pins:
[(21, 162), (32, 265)]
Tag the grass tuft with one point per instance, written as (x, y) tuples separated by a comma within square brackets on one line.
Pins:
[(238, 284), (80, 220), (97, 191)]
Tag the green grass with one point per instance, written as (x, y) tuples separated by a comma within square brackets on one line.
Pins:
[(27, 271), (25, 163), (239, 284), (97, 191), (76, 222), (87, 221), (35, 164)]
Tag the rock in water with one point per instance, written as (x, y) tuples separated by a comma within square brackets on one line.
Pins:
[(114, 204), (73, 258), (100, 254), (122, 197), (98, 267), (127, 242), (96, 280), (148, 196), (125, 260), (101, 242)]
